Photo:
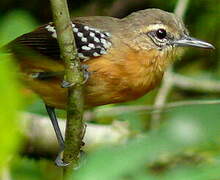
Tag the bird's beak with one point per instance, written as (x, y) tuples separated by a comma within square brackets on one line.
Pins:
[(190, 41)]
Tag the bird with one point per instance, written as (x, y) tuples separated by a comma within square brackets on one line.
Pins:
[(125, 58)]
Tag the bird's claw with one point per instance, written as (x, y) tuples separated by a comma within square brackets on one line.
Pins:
[(86, 73), (59, 161), (66, 84)]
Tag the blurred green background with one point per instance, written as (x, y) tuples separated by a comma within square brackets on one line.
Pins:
[(186, 145)]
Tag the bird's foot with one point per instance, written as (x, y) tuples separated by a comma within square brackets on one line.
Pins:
[(86, 75), (59, 161), (66, 84)]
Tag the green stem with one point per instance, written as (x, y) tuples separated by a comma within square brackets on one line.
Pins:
[(73, 75)]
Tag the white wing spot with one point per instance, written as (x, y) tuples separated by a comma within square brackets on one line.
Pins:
[(107, 45), (96, 54), (103, 41), (91, 45), (97, 31), (107, 34), (102, 35), (84, 39), (75, 29), (86, 48), (52, 30), (54, 35), (92, 34), (86, 28), (92, 29), (79, 34), (96, 39), (103, 51), (81, 55)]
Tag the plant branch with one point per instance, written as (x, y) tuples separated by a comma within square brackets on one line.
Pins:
[(181, 7), (162, 95), (167, 83), (45, 143), (118, 110), (74, 76), (96, 134), (188, 83)]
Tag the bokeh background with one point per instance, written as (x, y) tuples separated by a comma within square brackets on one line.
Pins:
[(125, 141)]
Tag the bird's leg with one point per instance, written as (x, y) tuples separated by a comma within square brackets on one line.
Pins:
[(66, 84), (51, 112), (86, 74), (46, 75)]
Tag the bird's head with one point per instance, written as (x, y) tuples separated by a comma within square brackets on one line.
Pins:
[(162, 32)]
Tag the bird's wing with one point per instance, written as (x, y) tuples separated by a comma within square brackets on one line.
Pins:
[(90, 41)]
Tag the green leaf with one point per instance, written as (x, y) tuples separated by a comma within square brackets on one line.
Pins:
[(14, 24), (10, 103), (187, 128)]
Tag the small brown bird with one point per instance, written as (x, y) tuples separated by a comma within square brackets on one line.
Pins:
[(126, 58)]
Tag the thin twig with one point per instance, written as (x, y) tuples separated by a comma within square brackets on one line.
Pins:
[(45, 143), (172, 79), (74, 76), (180, 8), (199, 85), (118, 110), (96, 134), (162, 95), (167, 83)]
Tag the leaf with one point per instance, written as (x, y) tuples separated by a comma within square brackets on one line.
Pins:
[(10, 103), (187, 128), (14, 24)]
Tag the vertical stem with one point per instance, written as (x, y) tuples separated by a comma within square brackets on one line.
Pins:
[(161, 97), (167, 83), (181, 7), (74, 76)]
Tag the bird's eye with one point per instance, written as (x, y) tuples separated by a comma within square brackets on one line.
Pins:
[(161, 33), (159, 36)]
